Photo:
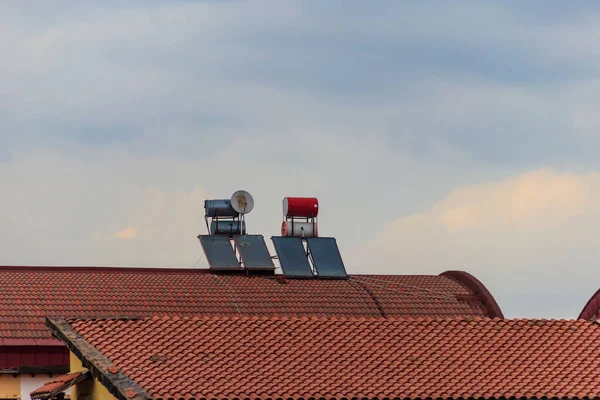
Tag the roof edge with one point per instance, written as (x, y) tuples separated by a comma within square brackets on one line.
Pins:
[(37, 395), (117, 383), (91, 268), (419, 398), (591, 307), (334, 318), (30, 342), (491, 306)]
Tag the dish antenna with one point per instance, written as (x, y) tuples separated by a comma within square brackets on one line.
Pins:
[(242, 202)]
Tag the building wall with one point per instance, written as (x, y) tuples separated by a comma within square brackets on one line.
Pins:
[(46, 359), (30, 383), (19, 386), (30, 356), (89, 389), (10, 387)]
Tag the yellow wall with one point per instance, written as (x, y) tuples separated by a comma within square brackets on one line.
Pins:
[(89, 389), (10, 386)]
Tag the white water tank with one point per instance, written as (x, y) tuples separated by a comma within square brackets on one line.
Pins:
[(300, 229)]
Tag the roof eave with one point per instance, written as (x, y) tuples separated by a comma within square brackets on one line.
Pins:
[(118, 384), (49, 395)]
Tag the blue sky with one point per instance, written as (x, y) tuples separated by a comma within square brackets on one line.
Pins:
[(469, 129)]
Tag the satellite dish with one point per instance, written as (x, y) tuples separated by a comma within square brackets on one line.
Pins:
[(242, 202)]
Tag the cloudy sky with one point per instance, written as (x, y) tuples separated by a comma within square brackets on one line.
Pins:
[(437, 135)]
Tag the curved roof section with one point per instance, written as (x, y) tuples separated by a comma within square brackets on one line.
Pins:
[(591, 311), (30, 294), (492, 308)]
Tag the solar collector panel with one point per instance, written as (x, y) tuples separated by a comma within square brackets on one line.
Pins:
[(254, 252), (326, 257), (292, 257), (219, 253)]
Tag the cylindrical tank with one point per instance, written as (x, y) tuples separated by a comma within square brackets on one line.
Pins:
[(300, 207), (221, 208), (301, 229), (227, 228)]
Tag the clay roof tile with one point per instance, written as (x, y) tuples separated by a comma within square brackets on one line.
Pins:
[(35, 292), (351, 357)]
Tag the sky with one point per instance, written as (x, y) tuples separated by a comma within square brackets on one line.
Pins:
[(436, 135)]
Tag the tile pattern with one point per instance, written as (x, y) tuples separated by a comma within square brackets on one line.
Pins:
[(320, 357), (55, 384), (30, 294), (421, 295)]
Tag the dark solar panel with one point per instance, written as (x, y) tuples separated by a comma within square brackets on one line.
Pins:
[(254, 252), (292, 257), (326, 257), (219, 252)]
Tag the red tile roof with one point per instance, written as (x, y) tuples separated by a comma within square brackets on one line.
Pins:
[(57, 385), (29, 294), (333, 357)]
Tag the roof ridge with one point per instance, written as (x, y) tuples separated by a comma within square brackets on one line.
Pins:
[(98, 268), (330, 318), (109, 268)]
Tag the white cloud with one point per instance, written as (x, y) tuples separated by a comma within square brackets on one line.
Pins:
[(166, 77), (533, 236), (376, 118), (69, 205), (64, 211), (535, 200)]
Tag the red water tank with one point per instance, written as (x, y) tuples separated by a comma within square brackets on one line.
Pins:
[(300, 207)]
